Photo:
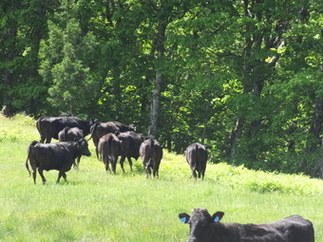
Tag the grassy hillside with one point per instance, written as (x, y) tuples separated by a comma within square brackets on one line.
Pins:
[(98, 206)]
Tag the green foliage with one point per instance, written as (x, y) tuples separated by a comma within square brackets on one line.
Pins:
[(66, 68)]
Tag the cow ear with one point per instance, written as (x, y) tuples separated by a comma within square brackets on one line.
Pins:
[(184, 217), (216, 217)]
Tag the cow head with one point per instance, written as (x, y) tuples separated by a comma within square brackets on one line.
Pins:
[(82, 146), (201, 223)]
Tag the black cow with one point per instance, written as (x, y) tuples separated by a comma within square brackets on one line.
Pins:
[(56, 156), (49, 127), (151, 153), (109, 150), (123, 128), (130, 144), (207, 228), (99, 129), (196, 156), (71, 134)]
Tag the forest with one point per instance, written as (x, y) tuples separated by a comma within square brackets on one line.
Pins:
[(243, 77)]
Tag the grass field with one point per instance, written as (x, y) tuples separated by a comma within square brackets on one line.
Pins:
[(98, 206)]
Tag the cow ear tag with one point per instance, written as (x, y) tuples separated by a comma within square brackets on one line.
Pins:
[(183, 220), (216, 219)]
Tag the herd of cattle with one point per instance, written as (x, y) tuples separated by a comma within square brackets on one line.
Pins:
[(111, 140)]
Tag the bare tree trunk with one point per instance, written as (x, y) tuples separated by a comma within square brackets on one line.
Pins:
[(155, 106), (152, 133), (206, 120), (234, 139), (7, 111)]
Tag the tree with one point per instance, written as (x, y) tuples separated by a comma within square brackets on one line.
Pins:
[(64, 63), (23, 25)]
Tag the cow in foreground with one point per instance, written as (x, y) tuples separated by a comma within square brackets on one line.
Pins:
[(99, 129), (71, 134), (130, 144), (207, 228), (151, 153), (49, 127), (196, 157), (55, 156), (109, 150)]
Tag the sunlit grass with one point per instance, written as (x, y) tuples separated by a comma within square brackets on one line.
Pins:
[(98, 206)]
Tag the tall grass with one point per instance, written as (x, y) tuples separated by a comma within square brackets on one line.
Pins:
[(98, 206)]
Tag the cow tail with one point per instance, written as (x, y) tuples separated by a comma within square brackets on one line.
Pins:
[(197, 163), (150, 161), (28, 155), (109, 143), (38, 123), (39, 128), (92, 130)]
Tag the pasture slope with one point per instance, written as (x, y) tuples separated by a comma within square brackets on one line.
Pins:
[(98, 206)]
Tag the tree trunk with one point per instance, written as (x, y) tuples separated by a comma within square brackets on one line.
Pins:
[(7, 110), (155, 106), (235, 136), (152, 133)]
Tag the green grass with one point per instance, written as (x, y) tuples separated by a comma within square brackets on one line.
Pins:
[(98, 206)]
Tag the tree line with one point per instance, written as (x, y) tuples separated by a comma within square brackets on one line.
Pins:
[(243, 77)]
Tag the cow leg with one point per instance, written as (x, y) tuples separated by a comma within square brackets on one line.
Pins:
[(148, 172), (42, 139), (130, 163), (61, 174), (107, 167), (113, 165), (106, 163), (34, 176), (75, 166), (77, 162), (155, 169), (97, 152), (42, 176), (121, 162), (194, 174), (198, 174), (48, 140), (154, 172), (157, 173), (148, 168), (202, 174)]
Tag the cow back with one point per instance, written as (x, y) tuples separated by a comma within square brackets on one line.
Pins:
[(196, 156), (56, 155), (295, 228), (49, 127), (100, 129), (124, 128), (70, 134), (109, 144), (151, 149), (157, 151), (130, 143)]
